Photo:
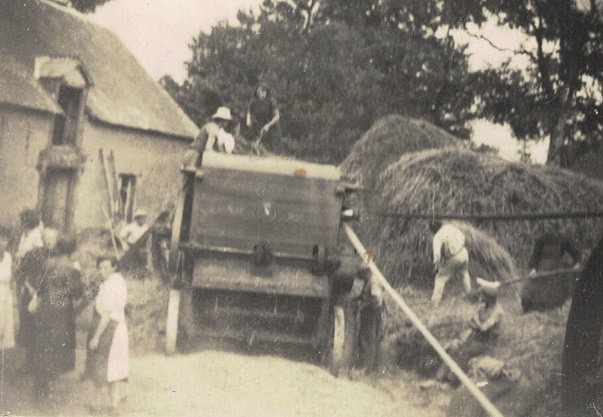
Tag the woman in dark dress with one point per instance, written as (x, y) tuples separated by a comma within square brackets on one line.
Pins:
[(263, 117), (54, 319)]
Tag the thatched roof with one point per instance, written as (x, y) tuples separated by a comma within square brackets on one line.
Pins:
[(21, 91), (123, 93), (454, 181)]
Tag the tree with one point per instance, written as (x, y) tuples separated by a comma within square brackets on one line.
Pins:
[(558, 94), (84, 6), (336, 66)]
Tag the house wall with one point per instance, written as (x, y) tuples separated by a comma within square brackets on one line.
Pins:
[(23, 133), (155, 159)]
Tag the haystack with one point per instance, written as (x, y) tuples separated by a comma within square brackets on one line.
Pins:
[(386, 141), (383, 144), (458, 181)]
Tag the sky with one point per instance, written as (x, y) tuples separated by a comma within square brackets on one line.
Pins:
[(158, 33)]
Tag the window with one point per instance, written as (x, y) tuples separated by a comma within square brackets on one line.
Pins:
[(66, 125), (127, 192)]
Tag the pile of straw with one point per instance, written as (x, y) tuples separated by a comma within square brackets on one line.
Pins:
[(458, 181), (386, 141)]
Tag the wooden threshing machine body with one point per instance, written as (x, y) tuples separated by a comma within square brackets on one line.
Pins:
[(252, 238)]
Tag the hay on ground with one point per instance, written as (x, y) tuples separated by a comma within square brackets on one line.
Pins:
[(460, 181)]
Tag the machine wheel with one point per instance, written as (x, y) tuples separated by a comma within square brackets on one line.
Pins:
[(334, 349), (171, 328)]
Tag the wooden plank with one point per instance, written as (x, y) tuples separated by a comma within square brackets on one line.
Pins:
[(108, 181), (235, 209), (236, 275), (116, 194)]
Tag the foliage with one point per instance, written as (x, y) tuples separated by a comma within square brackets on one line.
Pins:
[(558, 95), (333, 71), (87, 6)]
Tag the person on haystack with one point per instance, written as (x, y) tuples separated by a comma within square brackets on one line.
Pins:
[(371, 307), (210, 138), (482, 334), (450, 258)]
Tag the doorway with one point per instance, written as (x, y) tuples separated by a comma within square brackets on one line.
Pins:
[(57, 199)]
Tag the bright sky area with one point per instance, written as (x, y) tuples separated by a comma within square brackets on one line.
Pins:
[(158, 33)]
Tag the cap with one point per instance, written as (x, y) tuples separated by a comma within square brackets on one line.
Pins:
[(140, 213), (487, 287)]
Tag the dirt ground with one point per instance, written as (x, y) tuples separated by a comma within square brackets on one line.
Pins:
[(227, 384)]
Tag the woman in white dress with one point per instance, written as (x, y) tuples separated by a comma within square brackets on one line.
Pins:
[(108, 361), (7, 329)]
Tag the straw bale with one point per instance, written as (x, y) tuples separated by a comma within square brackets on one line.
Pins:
[(454, 180)]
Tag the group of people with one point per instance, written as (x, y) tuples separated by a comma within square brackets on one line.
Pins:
[(45, 283), (262, 122), (451, 259)]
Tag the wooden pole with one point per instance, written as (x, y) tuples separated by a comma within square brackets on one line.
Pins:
[(108, 182), (545, 274), (473, 389)]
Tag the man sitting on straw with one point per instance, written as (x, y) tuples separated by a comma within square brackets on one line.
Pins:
[(450, 258), (483, 332)]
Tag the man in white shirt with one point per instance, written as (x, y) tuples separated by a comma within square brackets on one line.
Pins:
[(130, 234), (450, 258)]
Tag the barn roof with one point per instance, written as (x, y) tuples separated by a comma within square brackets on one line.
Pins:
[(22, 91), (122, 93)]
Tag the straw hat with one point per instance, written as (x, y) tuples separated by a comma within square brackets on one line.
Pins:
[(140, 213), (222, 113), (487, 287)]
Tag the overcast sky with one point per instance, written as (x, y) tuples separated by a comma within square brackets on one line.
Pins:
[(158, 31)]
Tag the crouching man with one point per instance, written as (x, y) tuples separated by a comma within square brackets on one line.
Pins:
[(371, 309), (450, 258)]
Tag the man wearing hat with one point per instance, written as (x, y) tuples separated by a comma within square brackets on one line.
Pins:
[(209, 138), (132, 232), (483, 332)]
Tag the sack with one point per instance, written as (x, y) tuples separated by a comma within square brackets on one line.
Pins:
[(34, 304)]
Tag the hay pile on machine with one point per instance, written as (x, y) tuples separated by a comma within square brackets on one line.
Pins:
[(253, 242)]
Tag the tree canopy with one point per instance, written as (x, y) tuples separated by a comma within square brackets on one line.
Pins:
[(337, 65), (84, 6), (558, 95)]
